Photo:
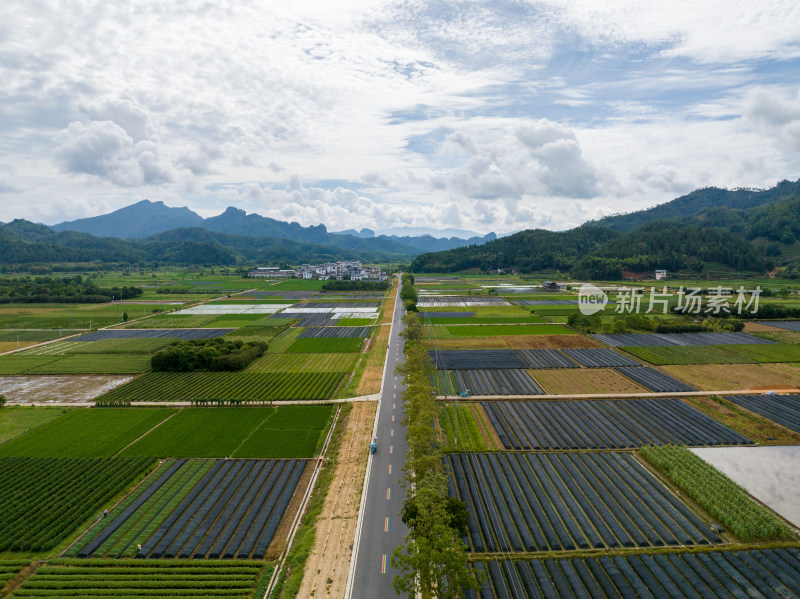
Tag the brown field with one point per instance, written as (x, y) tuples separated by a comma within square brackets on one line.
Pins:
[(744, 422), (754, 327), (585, 380), (552, 342), (467, 343), (733, 377), (54, 389)]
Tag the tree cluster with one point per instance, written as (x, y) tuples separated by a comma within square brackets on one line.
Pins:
[(206, 354), (433, 560), (408, 294)]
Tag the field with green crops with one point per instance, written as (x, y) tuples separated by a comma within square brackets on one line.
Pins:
[(726, 501), (355, 322), (290, 432), (177, 579), (45, 499), (504, 330), (16, 420), (532, 318), (717, 354), (203, 433), (341, 362), (326, 345), (245, 385), (85, 433)]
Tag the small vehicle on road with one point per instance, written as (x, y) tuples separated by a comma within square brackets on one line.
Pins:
[(373, 447)]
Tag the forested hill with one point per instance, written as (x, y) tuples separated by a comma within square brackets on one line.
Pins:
[(740, 230), (700, 201)]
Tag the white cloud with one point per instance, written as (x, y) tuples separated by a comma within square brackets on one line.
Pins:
[(777, 113)]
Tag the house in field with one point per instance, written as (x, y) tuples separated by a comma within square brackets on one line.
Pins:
[(552, 286), (661, 274)]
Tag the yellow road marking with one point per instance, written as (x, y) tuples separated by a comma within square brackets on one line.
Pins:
[(383, 564)]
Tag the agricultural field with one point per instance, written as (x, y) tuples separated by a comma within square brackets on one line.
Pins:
[(722, 354), (726, 501), (720, 377), (547, 358), (179, 579), (45, 499), (671, 339), (505, 381), (228, 509), (505, 330), (55, 388), (341, 362), (654, 380), (600, 358), (723, 574), (326, 345), (334, 332), (783, 409), (246, 386), (583, 381), (552, 342), (476, 359), (541, 502), (17, 420), (86, 433), (604, 424)]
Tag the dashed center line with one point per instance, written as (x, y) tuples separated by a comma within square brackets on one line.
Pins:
[(391, 432), (388, 493), (391, 448), (386, 524), (392, 417), (383, 564), (390, 468)]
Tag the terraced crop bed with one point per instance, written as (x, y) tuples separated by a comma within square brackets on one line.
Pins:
[(783, 409), (333, 332), (653, 379), (496, 382), (540, 502), (247, 385), (232, 512), (143, 578), (723, 574), (605, 424)]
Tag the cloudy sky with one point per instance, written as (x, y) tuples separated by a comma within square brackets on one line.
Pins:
[(486, 116)]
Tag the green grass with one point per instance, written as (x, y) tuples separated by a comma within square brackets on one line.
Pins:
[(503, 330), (16, 420), (444, 382), (85, 433), (120, 346), (76, 320), (326, 345), (726, 501), (532, 318), (173, 321), (200, 432), (18, 364), (469, 437), (297, 285), (23, 336)]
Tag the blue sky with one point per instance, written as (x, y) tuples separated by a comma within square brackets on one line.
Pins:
[(485, 116)]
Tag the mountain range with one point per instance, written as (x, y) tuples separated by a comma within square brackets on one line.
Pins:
[(741, 230)]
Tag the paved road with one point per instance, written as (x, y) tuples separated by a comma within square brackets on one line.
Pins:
[(382, 530)]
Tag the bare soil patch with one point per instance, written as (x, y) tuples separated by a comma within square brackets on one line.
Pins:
[(754, 327), (55, 389), (735, 377), (328, 564), (579, 381)]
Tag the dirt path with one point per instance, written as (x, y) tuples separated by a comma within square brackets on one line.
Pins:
[(336, 525)]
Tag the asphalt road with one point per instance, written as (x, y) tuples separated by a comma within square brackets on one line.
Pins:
[(382, 530)]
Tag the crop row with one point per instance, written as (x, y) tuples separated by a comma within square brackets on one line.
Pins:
[(546, 358), (722, 354), (182, 334), (251, 386), (337, 362), (656, 339), (653, 379), (44, 499), (307, 320), (718, 494), (723, 574), (605, 424), (326, 345), (486, 359), (233, 512), (496, 382), (600, 358), (126, 580), (316, 332), (783, 409), (540, 502)]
